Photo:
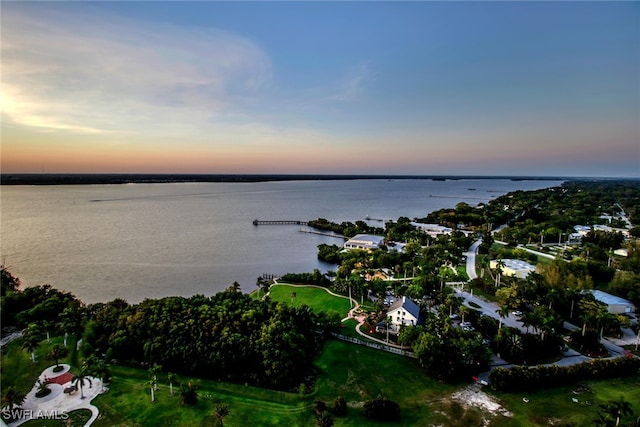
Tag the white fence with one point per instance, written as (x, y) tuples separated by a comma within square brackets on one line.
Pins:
[(378, 346)]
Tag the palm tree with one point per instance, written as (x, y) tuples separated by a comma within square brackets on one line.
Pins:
[(499, 268), (617, 409), (12, 397), (57, 353), (102, 370), (589, 308), (503, 312), (463, 310), (83, 375), (31, 340), (172, 378), (153, 374), (221, 411), (152, 384)]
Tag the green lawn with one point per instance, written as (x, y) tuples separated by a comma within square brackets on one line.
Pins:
[(551, 405), (316, 298), (357, 373), (360, 373)]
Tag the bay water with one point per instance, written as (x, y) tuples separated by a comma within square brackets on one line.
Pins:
[(137, 241)]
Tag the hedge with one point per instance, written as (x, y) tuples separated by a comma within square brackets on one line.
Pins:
[(525, 378)]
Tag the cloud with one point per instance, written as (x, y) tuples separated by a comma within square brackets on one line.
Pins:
[(65, 70), (353, 84)]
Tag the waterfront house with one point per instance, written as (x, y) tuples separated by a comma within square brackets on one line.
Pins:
[(364, 241)]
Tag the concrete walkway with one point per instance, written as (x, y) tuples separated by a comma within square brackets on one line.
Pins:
[(57, 403)]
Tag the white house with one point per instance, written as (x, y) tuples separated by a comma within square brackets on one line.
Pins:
[(403, 312), (514, 267), (615, 305), (364, 241), (432, 230)]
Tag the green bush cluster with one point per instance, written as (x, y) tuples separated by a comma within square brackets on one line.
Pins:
[(382, 409), (523, 378)]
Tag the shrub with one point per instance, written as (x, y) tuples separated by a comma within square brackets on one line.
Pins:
[(382, 409), (340, 407)]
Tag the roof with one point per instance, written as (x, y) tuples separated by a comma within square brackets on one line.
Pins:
[(610, 299), (406, 304), (365, 240), (516, 264)]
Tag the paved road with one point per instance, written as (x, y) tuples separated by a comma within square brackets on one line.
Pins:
[(471, 260)]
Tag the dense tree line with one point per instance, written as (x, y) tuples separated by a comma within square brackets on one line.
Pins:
[(346, 228), (229, 336)]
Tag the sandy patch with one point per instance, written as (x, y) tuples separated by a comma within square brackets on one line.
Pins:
[(474, 396)]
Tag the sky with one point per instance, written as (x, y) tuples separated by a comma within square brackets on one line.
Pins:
[(407, 88)]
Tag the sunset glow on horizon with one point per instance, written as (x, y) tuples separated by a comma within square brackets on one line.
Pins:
[(433, 88)]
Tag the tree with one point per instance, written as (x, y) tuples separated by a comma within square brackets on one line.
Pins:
[(499, 269), (57, 353), (340, 407), (31, 340), (80, 378), (221, 411), (503, 312), (189, 393), (324, 420), (171, 378), (463, 310), (617, 409), (12, 397), (590, 309), (382, 409), (154, 370), (151, 385)]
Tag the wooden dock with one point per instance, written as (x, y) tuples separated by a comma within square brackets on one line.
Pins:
[(278, 222)]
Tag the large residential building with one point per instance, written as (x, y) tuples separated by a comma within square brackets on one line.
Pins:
[(432, 230), (364, 241), (403, 312)]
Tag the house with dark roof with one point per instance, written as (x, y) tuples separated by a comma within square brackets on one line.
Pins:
[(403, 312)]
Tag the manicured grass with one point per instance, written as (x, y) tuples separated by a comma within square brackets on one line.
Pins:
[(128, 402), (316, 298), (357, 373), (360, 373), (548, 406)]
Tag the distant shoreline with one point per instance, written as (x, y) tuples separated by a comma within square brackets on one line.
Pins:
[(87, 179)]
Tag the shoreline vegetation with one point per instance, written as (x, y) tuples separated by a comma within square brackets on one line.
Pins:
[(85, 179)]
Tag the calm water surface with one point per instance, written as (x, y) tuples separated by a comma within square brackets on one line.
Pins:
[(139, 241)]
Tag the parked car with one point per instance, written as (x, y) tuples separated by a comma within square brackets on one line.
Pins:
[(517, 313)]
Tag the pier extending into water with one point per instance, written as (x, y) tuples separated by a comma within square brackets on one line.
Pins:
[(278, 222)]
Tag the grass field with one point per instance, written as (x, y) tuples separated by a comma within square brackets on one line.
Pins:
[(316, 298), (355, 372)]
